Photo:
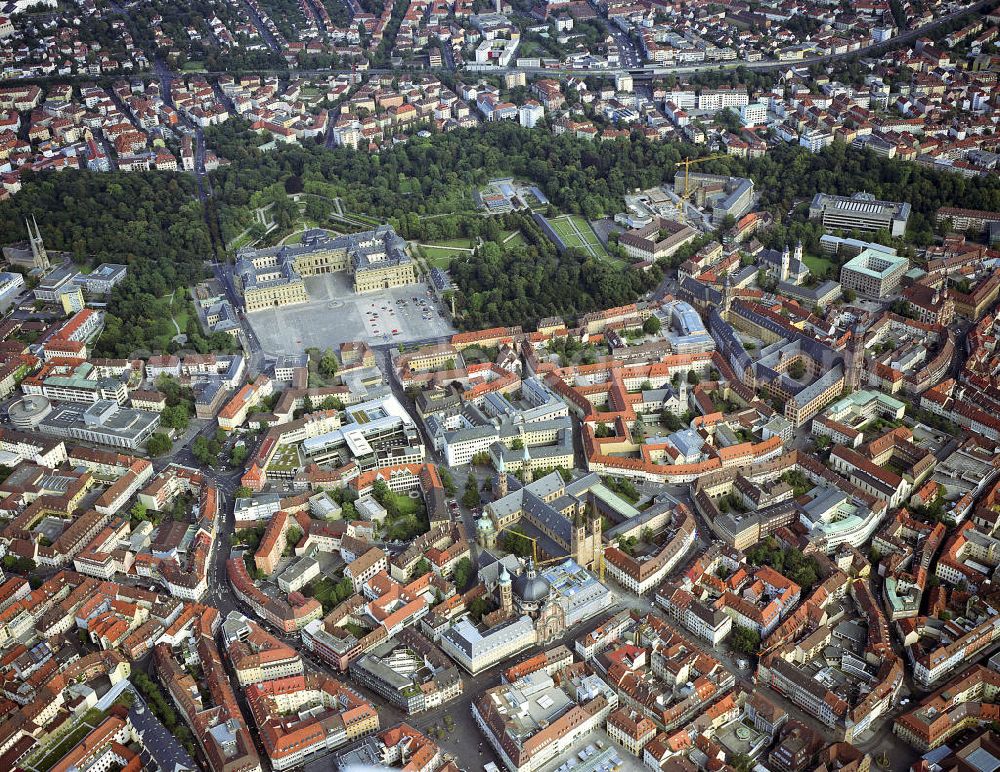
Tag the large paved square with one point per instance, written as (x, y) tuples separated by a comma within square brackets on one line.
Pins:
[(335, 314)]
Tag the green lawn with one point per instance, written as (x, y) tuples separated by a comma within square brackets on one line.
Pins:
[(438, 252), (563, 226), (517, 240), (531, 48), (442, 261), (405, 504), (819, 265), (439, 255), (460, 243), (296, 236), (242, 241), (568, 236), (588, 234), (193, 66), (180, 313)]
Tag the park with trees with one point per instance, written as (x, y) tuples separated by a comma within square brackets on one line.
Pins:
[(423, 188), (155, 224), (405, 183)]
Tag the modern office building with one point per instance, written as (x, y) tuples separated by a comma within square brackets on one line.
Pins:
[(375, 434), (298, 574), (753, 114), (50, 286), (860, 212), (874, 273), (103, 423), (409, 671), (10, 285), (74, 381), (848, 247), (686, 331), (102, 279)]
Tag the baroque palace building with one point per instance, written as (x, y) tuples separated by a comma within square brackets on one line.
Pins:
[(276, 276)]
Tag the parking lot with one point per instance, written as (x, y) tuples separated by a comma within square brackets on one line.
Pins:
[(385, 318), (335, 314)]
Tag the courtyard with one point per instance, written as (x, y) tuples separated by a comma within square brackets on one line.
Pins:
[(335, 314)]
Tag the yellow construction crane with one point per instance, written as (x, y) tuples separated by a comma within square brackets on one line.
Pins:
[(687, 163), (534, 547)]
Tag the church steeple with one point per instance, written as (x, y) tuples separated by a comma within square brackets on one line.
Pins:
[(506, 596), (596, 535), (501, 486), (39, 256)]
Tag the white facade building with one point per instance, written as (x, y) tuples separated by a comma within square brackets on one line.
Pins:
[(754, 114)]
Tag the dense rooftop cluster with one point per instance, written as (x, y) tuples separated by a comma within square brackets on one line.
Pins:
[(731, 503)]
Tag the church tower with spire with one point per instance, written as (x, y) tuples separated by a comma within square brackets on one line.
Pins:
[(596, 534), (506, 592), (39, 256), (786, 260), (500, 489)]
